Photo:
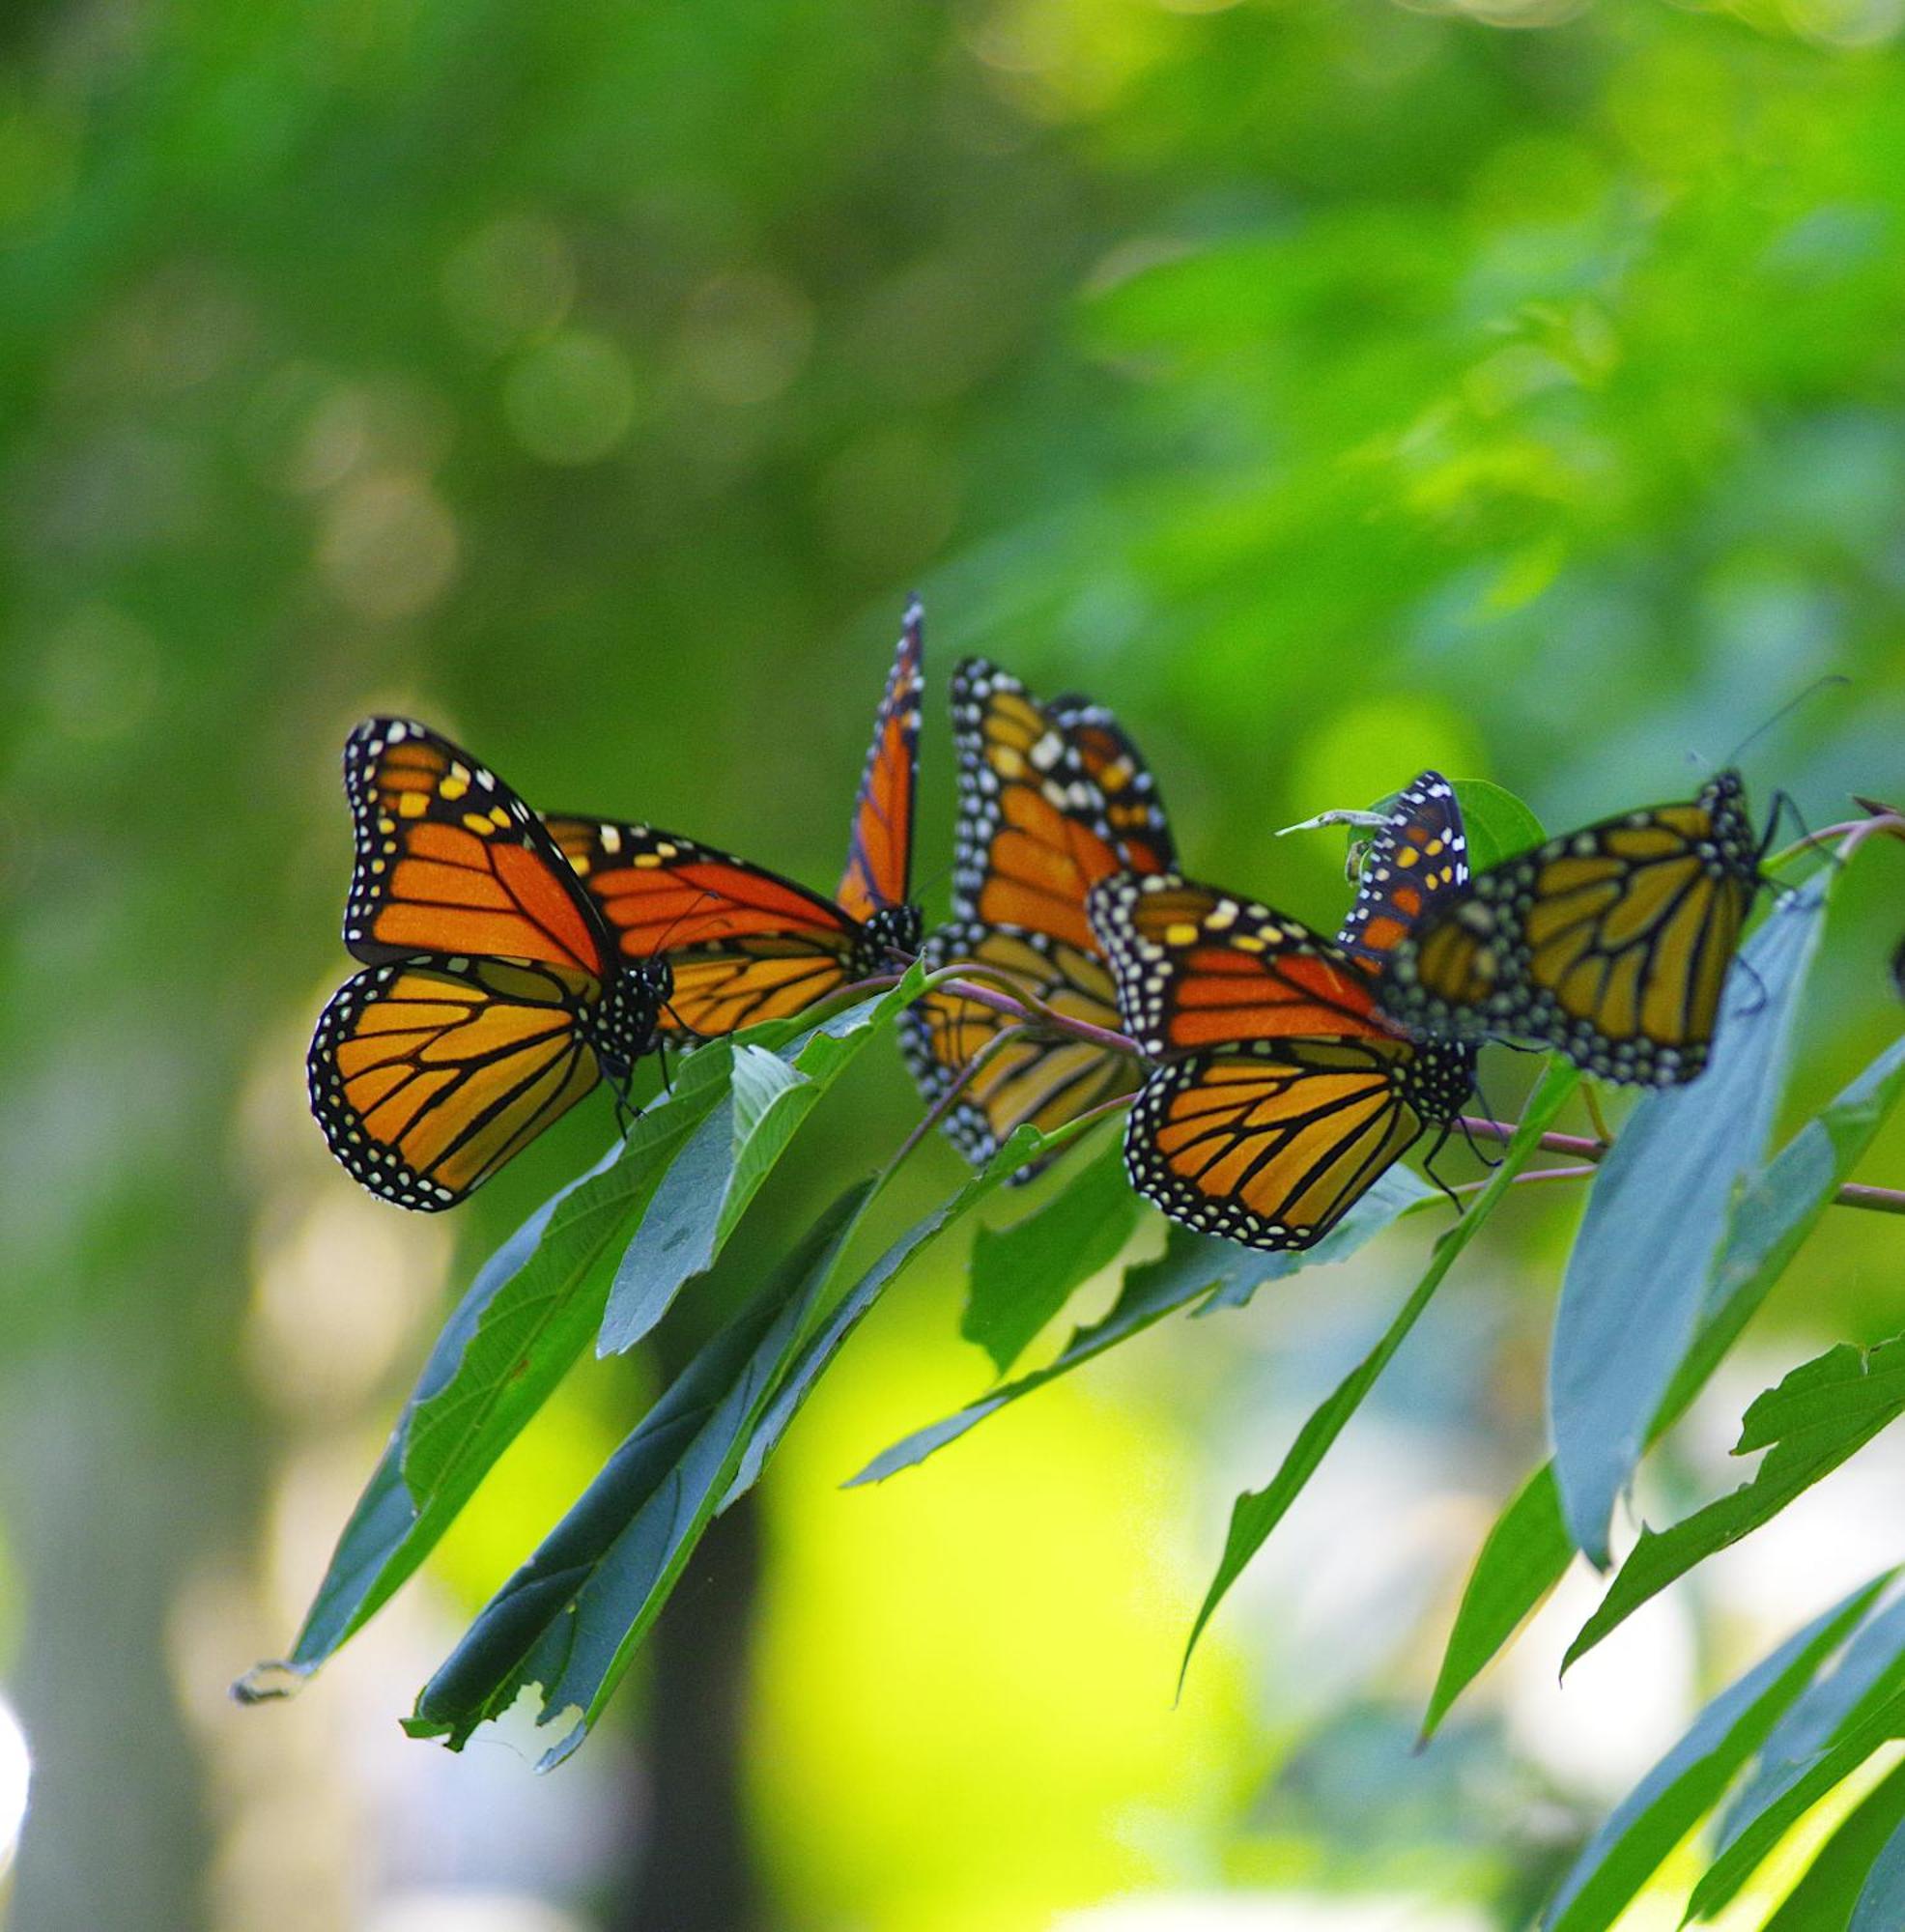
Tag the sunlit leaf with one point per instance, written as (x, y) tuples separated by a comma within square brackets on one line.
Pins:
[(1258, 1511), (1657, 1215), (1659, 1812), (1824, 1898), (1025, 1147), (1193, 1268), (569, 1621), (1525, 1555), (1819, 1416), (1022, 1275), (701, 1203)]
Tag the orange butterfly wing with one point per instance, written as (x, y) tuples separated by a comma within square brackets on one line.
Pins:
[(744, 944), (427, 1075), (1282, 1096), (449, 861), (879, 867)]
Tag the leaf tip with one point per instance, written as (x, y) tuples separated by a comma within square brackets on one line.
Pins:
[(272, 1681)]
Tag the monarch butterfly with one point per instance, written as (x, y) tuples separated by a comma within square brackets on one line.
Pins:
[(744, 943), (1281, 1096), (1417, 860), (492, 1000), (1611, 942), (1052, 798)]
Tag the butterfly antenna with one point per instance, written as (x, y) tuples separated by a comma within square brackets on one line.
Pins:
[(1786, 711)]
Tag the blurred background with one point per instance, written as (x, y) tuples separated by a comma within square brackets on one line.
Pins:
[(1332, 386)]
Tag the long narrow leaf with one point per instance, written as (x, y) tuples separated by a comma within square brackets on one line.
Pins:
[(1817, 1417), (1826, 1896), (1880, 1906), (527, 1317), (568, 1622), (1021, 1276), (1026, 1145), (1258, 1511), (780, 1073), (1529, 1549), (1655, 1224), (1653, 1818), (1193, 1268)]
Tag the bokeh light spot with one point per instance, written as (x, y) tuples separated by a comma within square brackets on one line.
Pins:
[(572, 400), (745, 337), (388, 548), (510, 282)]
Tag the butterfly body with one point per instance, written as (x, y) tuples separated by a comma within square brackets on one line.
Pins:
[(1611, 942), (493, 998)]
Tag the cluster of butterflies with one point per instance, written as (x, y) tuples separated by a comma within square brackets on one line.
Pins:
[(515, 958)]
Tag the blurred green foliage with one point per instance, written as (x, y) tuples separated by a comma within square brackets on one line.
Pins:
[(1332, 387)]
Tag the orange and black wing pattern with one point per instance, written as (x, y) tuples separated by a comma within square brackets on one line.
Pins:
[(1044, 1079), (426, 1075), (1039, 785), (1281, 1096), (1612, 943), (1416, 862), (1033, 837), (493, 1001), (879, 867), (743, 943)]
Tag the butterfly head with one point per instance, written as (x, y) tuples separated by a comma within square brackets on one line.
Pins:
[(625, 1021), (893, 928), (1736, 845)]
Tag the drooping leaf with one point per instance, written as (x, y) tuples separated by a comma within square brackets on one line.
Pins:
[(1022, 1275), (701, 1202), (1657, 1215), (1193, 1268), (1025, 1146), (1525, 1555), (1499, 825), (1258, 1511), (568, 1622), (1659, 1812), (525, 1318), (1517, 1569), (1817, 1417)]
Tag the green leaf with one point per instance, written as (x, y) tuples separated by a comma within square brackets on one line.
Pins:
[(1818, 1416), (1824, 1898), (1746, 1849), (1525, 1555), (527, 1317), (1193, 1268), (1869, 1669), (1659, 1812), (1656, 1219), (1517, 1569), (1022, 1275), (701, 1202), (1880, 1906), (1497, 824), (1026, 1145), (1258, 1511), (569, 1621)]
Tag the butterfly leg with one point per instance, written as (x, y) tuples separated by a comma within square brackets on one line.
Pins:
[(1429, 1166)]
